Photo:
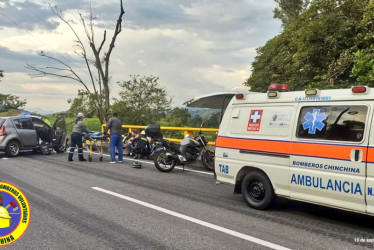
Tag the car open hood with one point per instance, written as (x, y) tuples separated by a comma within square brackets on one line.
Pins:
[(214, 101)]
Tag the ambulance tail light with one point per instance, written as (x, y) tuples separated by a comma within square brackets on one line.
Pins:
[(278, 87), (359, 89), (2, 130), (239, 96)]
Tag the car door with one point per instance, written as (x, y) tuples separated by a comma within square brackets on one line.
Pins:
[(26, 132), (329, 151), (59, 131), (43, 130)]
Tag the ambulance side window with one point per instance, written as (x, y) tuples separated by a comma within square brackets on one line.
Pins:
[(336, 123)]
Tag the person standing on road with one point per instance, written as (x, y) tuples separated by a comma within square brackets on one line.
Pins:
[(115, 126), (76, 137)]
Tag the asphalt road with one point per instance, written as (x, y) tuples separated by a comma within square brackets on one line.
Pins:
[(97, 205)]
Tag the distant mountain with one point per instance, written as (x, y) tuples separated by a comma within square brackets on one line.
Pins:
[(42, 111)]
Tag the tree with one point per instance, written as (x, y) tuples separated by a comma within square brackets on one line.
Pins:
[(213, 121), (97, 66), (196, 121), (363, 67), (289, 10), (82, 103), (142, 100), (316, 50), (8, 101), (179, 117), (11, 101)]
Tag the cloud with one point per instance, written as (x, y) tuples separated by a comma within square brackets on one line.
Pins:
[(42, 93), (195, 47), (14, 61), (26, 15)]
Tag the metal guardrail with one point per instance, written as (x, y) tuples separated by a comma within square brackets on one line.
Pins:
[(186, 130)]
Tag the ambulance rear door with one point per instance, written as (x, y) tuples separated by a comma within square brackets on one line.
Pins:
[(328, 154), (258, 136), (369, 189)]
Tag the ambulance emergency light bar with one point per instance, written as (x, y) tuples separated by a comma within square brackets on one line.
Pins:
[(278, 87), (274, 88)]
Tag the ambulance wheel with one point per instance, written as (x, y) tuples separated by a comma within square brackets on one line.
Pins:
[(90, 158), (257, 190), (101, 158)]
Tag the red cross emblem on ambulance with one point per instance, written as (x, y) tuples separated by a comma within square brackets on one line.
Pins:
[(254, 121)]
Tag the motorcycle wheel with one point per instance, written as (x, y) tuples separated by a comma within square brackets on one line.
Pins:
[(164, 163), (207, 159)]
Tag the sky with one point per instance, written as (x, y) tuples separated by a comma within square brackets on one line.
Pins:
[(195, 47)]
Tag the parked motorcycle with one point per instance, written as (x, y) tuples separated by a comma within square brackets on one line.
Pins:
[(207, 156), (169, 154)]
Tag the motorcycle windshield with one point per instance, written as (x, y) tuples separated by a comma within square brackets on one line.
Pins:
[(185, 141)]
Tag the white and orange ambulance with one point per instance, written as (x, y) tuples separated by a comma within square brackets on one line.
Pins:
[(315, 146)]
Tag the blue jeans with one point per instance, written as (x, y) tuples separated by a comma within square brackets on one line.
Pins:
[(116, 141)]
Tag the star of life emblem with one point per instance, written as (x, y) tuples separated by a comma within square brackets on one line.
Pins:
[(314, 121)]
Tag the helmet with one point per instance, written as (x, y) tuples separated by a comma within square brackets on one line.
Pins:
[(4, 218), (80, 114)]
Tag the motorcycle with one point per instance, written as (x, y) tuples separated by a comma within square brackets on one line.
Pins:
[(168, 154), (207, 156)]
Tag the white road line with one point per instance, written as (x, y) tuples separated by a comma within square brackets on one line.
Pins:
[(151, 163), (194, 220), (195, 171)]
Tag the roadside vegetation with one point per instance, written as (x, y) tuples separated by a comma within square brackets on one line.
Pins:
[(322, 44), (11, 112)]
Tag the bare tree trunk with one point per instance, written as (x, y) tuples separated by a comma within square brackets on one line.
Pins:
[(100, 87)]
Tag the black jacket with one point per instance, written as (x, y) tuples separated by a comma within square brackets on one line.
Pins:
[(141, 142)]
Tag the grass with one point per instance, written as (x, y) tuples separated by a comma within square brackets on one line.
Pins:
[(11, 112)]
